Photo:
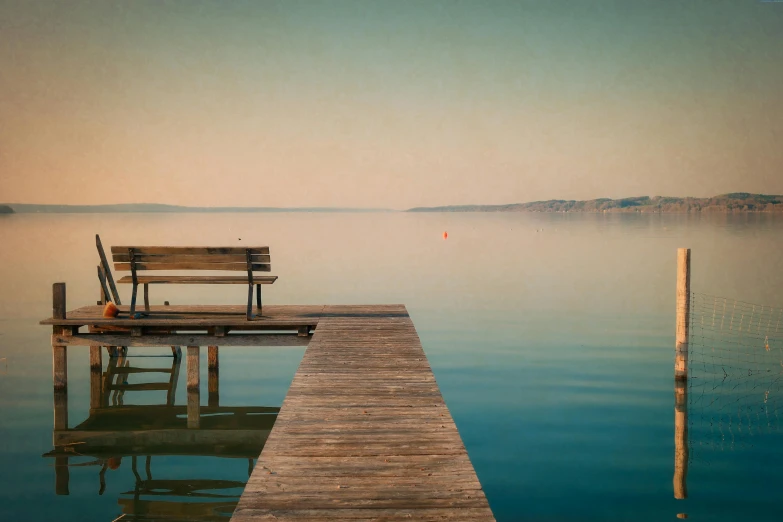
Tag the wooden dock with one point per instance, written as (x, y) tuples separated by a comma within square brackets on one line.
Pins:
[(363, 433)]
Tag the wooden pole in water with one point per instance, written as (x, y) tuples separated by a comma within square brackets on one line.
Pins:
[(193, 410), (680, 439), (193, 368), (683, 313), (59, 353)]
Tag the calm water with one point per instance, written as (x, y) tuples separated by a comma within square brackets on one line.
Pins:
[(551, 337)]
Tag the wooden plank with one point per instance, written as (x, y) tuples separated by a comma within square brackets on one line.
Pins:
[(198, 280), (189, 250), (184, 265), (196, 316), (180, 258), (185, 339), (364, 433)]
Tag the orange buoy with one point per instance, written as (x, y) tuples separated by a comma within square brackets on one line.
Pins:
[(110, 310), (445, 235)]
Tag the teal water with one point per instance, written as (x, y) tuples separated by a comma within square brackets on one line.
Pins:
[(551, 337)]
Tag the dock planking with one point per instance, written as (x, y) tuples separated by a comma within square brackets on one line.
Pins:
[(364, 432)]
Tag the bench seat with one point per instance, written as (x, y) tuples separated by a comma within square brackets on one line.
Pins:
[(197, 280)]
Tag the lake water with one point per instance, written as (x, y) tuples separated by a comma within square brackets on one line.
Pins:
[(551, 337)]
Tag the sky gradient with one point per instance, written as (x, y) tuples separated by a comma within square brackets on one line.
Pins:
[(387, 104)]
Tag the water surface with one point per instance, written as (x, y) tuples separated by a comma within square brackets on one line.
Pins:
[(551, 337)]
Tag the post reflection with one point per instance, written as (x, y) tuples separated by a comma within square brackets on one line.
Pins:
[(117, 437)]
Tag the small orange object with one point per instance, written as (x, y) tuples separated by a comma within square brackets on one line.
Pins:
[(114, 462), (445, 235), (110, 310)]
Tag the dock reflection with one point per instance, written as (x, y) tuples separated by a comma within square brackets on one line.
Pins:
[(119, 436)]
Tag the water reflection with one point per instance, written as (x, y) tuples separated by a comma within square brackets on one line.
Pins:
[(117, 436)]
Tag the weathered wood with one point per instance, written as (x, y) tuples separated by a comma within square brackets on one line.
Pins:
[(212, 357), (145, 339), (188, 258), (60, 410), (213, 380), (146, 297), (107, 270), (193, 368), (58, 301), (150, 265), (194, 398), (105, 296), (96, 387), (364, 433), (96, 362), (60, 366), (681, 452), (176, 352), (198, 280), (189, 250), (192, 316), (683, 312)]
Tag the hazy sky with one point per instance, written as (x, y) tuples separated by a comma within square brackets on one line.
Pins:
[(387, 104)]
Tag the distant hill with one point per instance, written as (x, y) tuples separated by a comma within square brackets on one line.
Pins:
[(22, 208), (5, 209), (734, 202)]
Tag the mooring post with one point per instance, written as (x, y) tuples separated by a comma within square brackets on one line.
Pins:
[(193, 368), (683, 313), (680, 439)]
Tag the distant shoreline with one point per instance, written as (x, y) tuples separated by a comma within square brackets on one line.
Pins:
[(140, 208), (736, 202)]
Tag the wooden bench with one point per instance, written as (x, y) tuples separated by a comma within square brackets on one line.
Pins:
[(135, 259)]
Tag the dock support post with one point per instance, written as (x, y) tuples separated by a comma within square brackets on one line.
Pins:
[(680, 439), (212, 357), (96, 367), (59, 353), (194, 400), (213, 399), (683, 313), (193, 369)]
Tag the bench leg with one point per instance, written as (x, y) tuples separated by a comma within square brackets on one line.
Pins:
[(133, 301), (249, 302), (258, 298), (146, 297)]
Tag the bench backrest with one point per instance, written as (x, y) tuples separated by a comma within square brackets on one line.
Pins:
[(245, 259)]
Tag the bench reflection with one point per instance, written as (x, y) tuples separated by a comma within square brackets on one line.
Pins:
[(115, 434)]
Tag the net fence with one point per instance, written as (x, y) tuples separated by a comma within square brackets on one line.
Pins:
[(735, 373)]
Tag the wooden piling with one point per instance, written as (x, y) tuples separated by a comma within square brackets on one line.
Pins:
[(193, 368), (212, 357), (60, 410), (60, 367), (680, 439), (194, 405), (96, 387), (58, 300), (96, 363), (213, 382), (683, 313)]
